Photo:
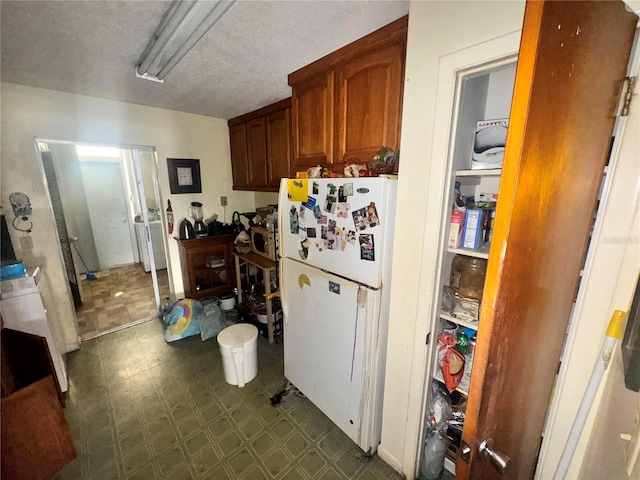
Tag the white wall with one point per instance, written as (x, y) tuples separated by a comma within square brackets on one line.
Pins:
[(29, 113), (435, 29)]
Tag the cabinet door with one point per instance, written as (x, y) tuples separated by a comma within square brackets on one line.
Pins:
[(239, 159), (369, 103), (278, 146), (572, 64), (312, 110), (257, 152)]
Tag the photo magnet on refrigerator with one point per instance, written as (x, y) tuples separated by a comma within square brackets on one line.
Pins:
[(330, 203), (367, 250), (334, 287), (293, 219), (342, 210), (303, 251), (315, 188), (341, 195), (310, 203), (366, 217), (348, 189)]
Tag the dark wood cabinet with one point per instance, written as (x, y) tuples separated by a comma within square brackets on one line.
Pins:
[(347, 106), (207, 266), (278, 126), (312, 116), (239, 156), (261, 147), (368, 104)]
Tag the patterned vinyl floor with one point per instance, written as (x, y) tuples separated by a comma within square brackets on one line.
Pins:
[(120, 296), (141, 408)]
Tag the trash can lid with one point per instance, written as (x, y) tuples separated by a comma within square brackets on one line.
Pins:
[(237, 335)]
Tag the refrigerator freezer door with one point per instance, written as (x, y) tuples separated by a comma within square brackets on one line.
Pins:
[(342, 225), (331, 350)]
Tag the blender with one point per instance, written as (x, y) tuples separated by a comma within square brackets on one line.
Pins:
[(196, 212)]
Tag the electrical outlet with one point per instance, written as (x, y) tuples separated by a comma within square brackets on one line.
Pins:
[(223, 201), (26, 242)]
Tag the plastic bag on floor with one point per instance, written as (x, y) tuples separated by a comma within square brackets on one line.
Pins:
[(212, 321), (181, 319)]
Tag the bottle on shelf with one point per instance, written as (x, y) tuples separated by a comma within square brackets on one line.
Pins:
[(169, 217)]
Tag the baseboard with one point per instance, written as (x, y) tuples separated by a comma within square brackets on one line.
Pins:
[(392, 461)]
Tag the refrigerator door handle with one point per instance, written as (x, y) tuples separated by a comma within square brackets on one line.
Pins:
[(283, 296)]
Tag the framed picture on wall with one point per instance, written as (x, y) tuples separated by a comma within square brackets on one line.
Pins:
[(184, 175)]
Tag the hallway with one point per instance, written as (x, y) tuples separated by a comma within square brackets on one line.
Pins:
[(120, 296)]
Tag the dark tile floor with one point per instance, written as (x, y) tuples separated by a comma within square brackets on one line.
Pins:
[(120, 296), (141, 408)]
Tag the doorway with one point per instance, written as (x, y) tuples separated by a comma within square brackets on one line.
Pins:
[(106, 204)]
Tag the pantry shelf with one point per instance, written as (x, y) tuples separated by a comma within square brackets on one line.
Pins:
[(494, 172), (451, 318), (482, 252)]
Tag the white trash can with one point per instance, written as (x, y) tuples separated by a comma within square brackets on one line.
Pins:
[(239, 350)]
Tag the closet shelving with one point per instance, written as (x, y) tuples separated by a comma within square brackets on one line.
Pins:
[(482, 93)]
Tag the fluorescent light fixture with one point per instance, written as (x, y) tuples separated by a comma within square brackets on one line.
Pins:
[(180, 29)]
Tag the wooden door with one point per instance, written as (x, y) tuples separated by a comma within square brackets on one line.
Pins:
[(312, 110), (369, 103), (257, 152), (571, 68), (239, 159), (278, 146)]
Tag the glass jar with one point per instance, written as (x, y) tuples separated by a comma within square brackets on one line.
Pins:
[(467, 276)]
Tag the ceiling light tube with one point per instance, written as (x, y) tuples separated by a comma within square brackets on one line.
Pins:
[(184, 24)]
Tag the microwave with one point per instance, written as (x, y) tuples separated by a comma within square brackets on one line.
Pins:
[(263, 242)]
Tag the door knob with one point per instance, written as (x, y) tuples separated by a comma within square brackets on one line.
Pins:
[(499, 460)]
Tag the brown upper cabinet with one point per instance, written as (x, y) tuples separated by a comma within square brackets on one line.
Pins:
[(261, 147), (347, 105)]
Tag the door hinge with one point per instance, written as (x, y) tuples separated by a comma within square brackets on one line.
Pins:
[(630, 84), (428, 338)]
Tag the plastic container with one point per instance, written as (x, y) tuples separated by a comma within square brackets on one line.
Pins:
[(239, 350), (227, 301), (467, 276)]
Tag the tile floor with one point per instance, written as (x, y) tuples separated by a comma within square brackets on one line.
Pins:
[(120, 296), (141, 408)]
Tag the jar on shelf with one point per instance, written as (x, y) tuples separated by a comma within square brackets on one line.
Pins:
[(467, 276)]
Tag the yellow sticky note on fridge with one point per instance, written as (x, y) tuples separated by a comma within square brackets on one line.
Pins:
[(298, 190)]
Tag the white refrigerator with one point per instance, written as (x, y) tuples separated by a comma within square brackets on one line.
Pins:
[(335, 246)]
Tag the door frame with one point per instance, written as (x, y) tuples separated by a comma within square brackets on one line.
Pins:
[(159, 193), (496, 51)]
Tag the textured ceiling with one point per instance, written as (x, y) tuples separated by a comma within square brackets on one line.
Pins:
[(242, 63)]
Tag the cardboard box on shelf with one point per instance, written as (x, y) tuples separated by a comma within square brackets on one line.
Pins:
[(456, 228), (476, 227)]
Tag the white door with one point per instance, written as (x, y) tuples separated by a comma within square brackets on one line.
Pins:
[(331, 346), (343, 225), (108, 212)]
